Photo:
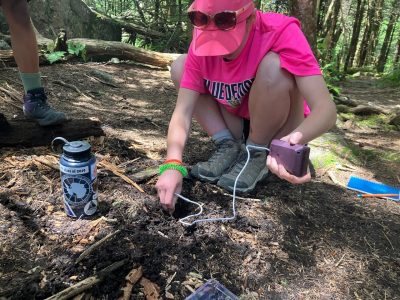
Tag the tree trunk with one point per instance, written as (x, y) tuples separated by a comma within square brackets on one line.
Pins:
[(374, 19), (355, 35), (376, 25), (388, 38), (101, 50), (305, 11), (75, 17), (397, 57), (28, 133), (330, 28)]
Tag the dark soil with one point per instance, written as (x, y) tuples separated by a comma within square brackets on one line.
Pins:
[(315, 241)]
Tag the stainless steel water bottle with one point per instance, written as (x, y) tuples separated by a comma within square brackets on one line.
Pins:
[(78, 179)]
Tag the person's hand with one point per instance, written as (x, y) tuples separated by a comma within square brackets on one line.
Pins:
[(279, 170), (169, 183)]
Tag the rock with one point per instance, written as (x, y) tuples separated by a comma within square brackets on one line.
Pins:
[(115, 60)]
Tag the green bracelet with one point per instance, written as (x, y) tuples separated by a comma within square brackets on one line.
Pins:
[(173, 166)]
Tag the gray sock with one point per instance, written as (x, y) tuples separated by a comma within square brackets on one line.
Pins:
[(224, 134)]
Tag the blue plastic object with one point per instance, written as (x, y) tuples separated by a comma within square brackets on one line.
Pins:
[(370, 187), (212, 290)]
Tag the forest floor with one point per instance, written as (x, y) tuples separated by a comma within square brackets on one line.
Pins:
[(314, 241)]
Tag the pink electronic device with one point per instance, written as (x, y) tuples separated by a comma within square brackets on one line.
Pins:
[(294, 158)]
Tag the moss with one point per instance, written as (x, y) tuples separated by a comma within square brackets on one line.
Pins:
[(325, 160)]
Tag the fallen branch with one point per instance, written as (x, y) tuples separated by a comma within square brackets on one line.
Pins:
[(117, 171), (87, 283), (70, 86), (12, 94), (47, 163), (96, 245), (101, 81)]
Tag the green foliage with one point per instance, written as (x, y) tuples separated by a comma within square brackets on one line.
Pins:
[(392, 78), (55, 56), (332, 76), (78, 50), (75, 49)]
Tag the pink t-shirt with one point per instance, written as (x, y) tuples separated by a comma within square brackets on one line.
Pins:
[(229, 82)]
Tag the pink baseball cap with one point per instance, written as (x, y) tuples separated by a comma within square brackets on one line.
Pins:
[(212, 41)]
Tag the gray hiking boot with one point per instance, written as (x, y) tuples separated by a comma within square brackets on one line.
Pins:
[(222, 159), (255, 171), (37, 108)]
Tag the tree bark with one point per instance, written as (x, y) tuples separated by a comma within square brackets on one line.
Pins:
[(305, 11), (355, 35), (330, 28), (25, 132), (397, 57), (388, 38), (100, 50), (374, 19)]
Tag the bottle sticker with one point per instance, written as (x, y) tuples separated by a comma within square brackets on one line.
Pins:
[(74, 171)]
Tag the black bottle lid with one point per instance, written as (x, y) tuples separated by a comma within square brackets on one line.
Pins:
[(77, 150)]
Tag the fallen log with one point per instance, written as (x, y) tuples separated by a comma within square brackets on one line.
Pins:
[(23, 132), (104, 50), (129, 25), (7, 58)]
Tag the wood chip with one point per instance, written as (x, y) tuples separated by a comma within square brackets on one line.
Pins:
[(151, 290), (133, 277)]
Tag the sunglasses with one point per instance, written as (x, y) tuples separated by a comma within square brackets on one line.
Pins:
[(225, 20)]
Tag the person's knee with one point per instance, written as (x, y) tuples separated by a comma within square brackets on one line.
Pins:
[(16, 12), (177, 68), (272, 76)]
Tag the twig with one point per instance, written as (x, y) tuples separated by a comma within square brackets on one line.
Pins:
[(340, 260), (11, 94), (96, 245), (332, 176), (117, 171), (60, 82), (11, 102), (391, 245), (101, 81), (162, 234), (47, 163), (87, 283)]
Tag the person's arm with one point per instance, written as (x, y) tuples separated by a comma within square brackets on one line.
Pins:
[(323, 109), (170, 182), (320, 120)]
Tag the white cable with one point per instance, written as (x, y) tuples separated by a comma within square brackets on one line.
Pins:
[(183, 220)]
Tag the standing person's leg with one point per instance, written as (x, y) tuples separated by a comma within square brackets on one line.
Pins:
[(24, 44), (224, 128), (276, 108)]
